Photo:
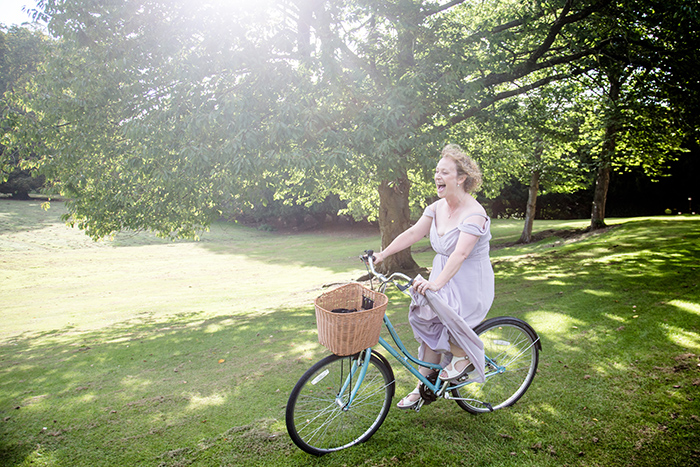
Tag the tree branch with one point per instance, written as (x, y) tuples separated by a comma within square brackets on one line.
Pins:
[(471, 111), (563, 20), (440, 8), (530, 67)]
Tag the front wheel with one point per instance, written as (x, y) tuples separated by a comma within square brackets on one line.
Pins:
[(512, 349), (318, 418)]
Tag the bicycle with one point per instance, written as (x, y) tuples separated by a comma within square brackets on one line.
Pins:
[(342, 401)]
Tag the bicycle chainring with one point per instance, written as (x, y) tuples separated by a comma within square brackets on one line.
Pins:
[(428, 395)]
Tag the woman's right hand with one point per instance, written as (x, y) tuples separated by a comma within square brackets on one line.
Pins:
[(378, 257)]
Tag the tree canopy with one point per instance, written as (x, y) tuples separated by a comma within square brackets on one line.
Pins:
[(22, 50), (155, 114)]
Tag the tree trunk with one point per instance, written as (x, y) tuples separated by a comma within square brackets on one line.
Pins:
[(534, 189), (394, 218), (526, 236), (602, 180), (600, 196)]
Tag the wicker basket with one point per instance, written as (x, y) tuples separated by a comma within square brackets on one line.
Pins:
[(348, 333)]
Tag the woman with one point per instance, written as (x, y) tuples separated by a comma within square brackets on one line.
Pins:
[(461, 276)]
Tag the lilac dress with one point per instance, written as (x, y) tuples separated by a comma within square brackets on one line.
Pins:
[(462, 303)]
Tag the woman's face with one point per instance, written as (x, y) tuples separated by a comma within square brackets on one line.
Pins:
[(446, 179)]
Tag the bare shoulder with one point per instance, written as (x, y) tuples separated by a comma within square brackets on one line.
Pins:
[(474, 207), (476, 214), (434, 207)]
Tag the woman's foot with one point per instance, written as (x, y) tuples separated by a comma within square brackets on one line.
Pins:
[(411, 400), (458, 367)]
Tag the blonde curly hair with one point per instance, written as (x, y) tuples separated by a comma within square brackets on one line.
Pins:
[(465, 166)]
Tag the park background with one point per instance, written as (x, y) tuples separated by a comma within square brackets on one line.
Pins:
[(229, 161)]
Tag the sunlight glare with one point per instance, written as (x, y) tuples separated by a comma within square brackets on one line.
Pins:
[(553, 323), (598, 293), (619, 319)]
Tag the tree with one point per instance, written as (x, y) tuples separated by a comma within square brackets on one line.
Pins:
[(154, 114), (633, 114), (534, 139), (549, 120), (651, 90), (442, 73), (22, 49)]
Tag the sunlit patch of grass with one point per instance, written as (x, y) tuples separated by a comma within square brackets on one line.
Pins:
[(198, 402), (683, 337), (142, 352), (691, 307)]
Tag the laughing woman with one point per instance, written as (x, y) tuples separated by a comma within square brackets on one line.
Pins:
[(462, 276)]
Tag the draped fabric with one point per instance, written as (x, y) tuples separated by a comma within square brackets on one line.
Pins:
[(453, 311)]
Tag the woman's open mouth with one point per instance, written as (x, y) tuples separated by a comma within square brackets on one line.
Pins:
[(440, 188)]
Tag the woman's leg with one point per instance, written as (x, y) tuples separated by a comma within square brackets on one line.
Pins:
[(430, 356), (458, 363)]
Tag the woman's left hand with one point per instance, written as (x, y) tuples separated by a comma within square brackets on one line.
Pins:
[(421, 286)]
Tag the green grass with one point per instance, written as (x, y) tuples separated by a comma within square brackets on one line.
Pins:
[(137, 351)]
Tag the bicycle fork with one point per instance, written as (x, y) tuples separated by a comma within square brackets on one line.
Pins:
[(359, 365)]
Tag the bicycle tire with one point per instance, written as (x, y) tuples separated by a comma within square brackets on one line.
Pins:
[(318, 424), (514, 347)]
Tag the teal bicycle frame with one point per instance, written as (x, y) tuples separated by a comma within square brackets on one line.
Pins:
[(403, 356), (439, 388)]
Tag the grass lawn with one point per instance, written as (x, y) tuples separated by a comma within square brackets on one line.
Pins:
[(138, 351)]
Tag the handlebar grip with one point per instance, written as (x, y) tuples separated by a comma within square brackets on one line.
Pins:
[(403, 288)]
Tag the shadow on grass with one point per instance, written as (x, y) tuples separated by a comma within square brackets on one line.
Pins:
[(617, 282), (617, 313), (619, 317), (24, 215), (158, 384)]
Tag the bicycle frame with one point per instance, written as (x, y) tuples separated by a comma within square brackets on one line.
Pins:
[(403, 356), (360, 364)]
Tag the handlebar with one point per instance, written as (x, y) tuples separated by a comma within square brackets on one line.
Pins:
[(368, 259)]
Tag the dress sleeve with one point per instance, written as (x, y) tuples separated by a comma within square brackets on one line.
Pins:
[(474, 229), (429, 211)]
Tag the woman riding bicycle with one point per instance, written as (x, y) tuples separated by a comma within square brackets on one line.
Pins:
[(462, 276)]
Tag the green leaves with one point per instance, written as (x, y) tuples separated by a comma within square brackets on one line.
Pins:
[(153, 114)]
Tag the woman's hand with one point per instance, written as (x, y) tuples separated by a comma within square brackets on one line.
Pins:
[(378, 257), (421, 286)]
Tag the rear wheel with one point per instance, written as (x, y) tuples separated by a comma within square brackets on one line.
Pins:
[(512, 349), (318, 420)]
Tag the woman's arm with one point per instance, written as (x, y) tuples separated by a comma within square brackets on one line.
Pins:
[(407, 238)]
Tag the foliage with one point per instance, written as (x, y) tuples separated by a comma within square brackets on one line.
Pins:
[(22, 49), (154, 115), (160, 115)]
